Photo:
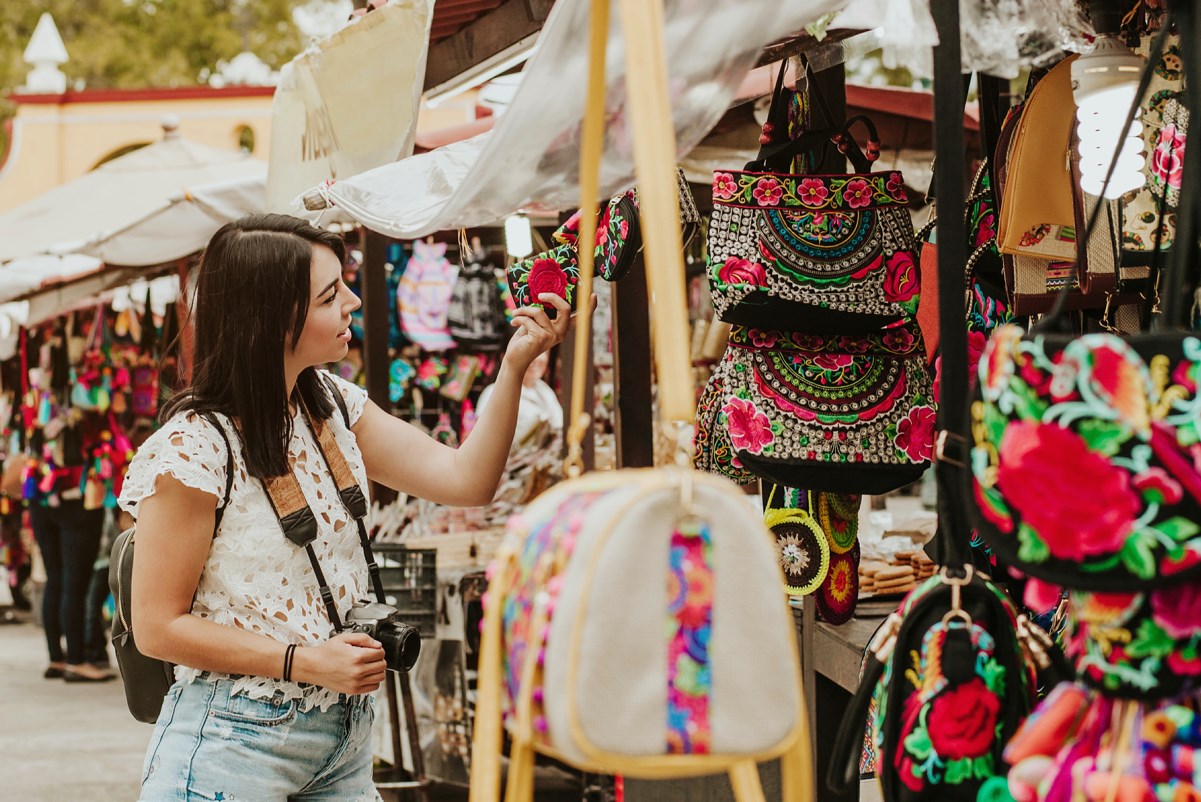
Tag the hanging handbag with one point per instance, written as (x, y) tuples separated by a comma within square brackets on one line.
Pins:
[(1055, 413), (1043, 208), (840, 414), (634, 623), (712, 451), (948, 677), (951, 683), (618, 243), (815, 253), (802, 549)]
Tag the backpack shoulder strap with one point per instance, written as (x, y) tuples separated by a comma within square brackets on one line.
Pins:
[(338, 399), (213, 421)]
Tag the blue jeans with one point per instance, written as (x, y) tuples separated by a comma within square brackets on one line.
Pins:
[(69, 539), (211, 745)]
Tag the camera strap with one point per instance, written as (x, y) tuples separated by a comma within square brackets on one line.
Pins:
[(297, 520)]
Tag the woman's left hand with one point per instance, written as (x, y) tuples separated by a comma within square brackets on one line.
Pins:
[(536, 332)]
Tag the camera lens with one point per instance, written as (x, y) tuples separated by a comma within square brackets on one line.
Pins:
[(401, 643)]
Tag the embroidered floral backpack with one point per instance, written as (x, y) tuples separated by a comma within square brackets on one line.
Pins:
[(952, 677)]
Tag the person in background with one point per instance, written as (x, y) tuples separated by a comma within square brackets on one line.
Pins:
[(539, 409)]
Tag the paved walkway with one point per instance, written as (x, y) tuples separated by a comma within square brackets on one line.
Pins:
[(62, 742)]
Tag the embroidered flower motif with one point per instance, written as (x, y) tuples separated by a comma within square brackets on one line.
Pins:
[(724, 186), (1178, 609), (915, 434), (809, 342), (547, 275), (996, 366), (963, 721), (986, 229), (899, 340), (901, 281), (750, 429), (737, 270), (1041, 470), (854, 345), (1035, 235), (768, 192), (763, 339), (975, 350), (857, 193), (1157, 486), (832, 362), (813, 192), (1117, 378), (896, 187), (1167, 160)]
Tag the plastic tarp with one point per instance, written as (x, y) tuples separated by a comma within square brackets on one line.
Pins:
[(530, 159), (117, 194)]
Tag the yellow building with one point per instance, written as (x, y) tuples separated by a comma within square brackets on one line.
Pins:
[(55, 138)]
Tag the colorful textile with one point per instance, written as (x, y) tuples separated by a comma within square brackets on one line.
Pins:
[(424, 296), (1086, 457), (819, 253), (689, 624)]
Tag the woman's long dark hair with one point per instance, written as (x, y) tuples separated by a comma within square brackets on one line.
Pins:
[(252, 300)]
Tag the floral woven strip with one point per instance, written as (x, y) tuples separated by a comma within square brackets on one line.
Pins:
[(826, 192), (689, 626)]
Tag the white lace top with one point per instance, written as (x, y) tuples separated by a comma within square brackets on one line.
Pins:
[(256, 579)]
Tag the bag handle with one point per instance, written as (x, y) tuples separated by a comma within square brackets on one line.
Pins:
[(1188, 217), (659, 211), (592, 144), (776, 156)]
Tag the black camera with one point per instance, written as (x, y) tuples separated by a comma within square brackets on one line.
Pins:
[(401, 642)]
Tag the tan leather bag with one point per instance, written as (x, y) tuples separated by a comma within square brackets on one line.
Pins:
[(1038, 185)]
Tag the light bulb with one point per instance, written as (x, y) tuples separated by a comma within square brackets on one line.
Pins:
[(1104, 84), (519, 239)]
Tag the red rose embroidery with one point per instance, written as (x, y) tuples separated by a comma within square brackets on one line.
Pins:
[(857, 193), (963, 721), (975, 349), (1041, 471), (1178, 609), (813, 192), (768, 192), (896, 187), (986, 229), (915, 434), (901, 279), (724, 186), (750, 429), (1155, 484), (742, 271), (547, 275)]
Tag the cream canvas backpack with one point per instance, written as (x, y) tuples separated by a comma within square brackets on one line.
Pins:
[(634, 622)]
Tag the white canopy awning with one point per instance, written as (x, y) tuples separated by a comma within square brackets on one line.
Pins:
[(530, 160), (121, 193)]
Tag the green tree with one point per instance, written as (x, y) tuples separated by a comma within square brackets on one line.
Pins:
[(148, 43)]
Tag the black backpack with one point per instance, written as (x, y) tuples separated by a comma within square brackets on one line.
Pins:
[(476, 317), (146, 679), (952, 674)]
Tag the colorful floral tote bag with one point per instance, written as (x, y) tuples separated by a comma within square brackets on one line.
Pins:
[(840, 414), (815, 253)]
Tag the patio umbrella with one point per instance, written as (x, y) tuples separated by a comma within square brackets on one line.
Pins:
[(121, 193)]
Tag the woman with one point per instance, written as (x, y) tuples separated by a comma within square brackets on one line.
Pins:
[(270, 308)]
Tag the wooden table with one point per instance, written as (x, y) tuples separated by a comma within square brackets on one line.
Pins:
[(830, 661)]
